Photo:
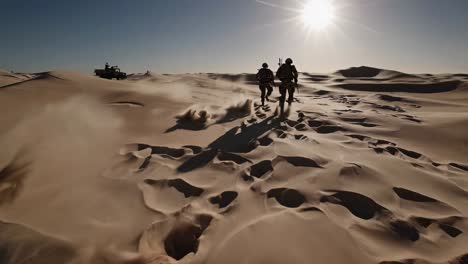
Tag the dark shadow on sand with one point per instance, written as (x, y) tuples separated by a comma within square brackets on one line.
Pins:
[(12, 179), (240, 139), (233, 113)]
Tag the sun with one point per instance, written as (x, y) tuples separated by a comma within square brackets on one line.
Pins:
[(318, 14)]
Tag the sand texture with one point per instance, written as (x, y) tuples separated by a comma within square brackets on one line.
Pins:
[(366, 166)]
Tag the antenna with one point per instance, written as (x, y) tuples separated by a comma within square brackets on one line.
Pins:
[(280, 62)]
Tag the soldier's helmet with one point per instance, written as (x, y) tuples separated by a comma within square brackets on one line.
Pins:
[(265, 65), (289, 61)]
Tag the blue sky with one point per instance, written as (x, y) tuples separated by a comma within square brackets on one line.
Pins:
[(174, 36)]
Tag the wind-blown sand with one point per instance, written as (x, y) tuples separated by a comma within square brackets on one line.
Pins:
[(369, 166)]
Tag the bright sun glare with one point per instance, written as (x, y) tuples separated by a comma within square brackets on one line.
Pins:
[(317, 14)]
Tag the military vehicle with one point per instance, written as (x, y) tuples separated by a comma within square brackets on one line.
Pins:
[(110, 73)]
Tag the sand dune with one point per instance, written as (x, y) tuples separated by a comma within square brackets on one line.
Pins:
[(368, 166), (433, 87), (365, 72), (378, 80), (7, 78)]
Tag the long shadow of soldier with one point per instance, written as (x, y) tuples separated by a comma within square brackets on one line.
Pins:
[(187, 122), (240, 139)]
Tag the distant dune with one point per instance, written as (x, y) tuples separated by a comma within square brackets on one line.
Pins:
[(379, 80), (7, 77), (369, 72), (367, 166)]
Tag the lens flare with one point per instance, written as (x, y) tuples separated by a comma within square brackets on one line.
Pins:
[(318, 14)]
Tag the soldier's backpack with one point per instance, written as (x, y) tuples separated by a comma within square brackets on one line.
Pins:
[(285, 72)]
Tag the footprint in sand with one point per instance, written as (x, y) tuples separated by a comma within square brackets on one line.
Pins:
[(290, 198), (265, 141), (282, 128), (316, 123), (11, 181), (264, 168), (366, 124), (390, 108), (413, 196), (415, 105), (300, 162), (371, 141), (301, 127), (180, 185), (378, 146), (281, 134), (405, 230), (291, 123), (266, 108), (328, 129), (224, 199), (145, 164), (382, 146), (127, 104), (144, 150), (341, 112), (406, 261), (322, 92), (300, 137), (226, 156), (395, 151), (260, 115), (460, 260), (252, 120), (459, 166), (194, 149), (390, 98), (168, 196), (359, 121), (446, 225), (359, 205), (409, 118), (176, 237), (259, 170), (450, 230), (365, 208)]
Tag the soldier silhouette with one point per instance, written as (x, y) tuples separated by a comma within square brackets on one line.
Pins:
[(266, 80), (287, 73)]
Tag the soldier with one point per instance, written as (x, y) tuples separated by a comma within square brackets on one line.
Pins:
[(266, 80), (287, 73), (107, 66)]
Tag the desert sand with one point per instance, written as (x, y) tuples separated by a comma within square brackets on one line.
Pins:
[(367, 166)]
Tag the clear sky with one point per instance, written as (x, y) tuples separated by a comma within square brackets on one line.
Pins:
[(174, 36)]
